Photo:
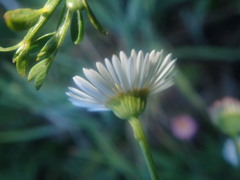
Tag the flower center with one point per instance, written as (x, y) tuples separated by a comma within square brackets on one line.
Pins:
[(130, 104)]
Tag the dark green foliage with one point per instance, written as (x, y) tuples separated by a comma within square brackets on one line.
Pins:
[(45, 137)]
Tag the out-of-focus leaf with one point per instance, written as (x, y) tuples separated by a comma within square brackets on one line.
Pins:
[(93, 19), (77, 27)]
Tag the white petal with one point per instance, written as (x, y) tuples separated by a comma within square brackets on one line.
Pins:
[(152, 54), (80, 101), (144, 78), (100, 108), (162, 86), (79, 93), (133, 54), (89, 89), (140, 69), (167, 70), (100, 83), (120, 73), (104, 73), (129, 73), (111, 71)]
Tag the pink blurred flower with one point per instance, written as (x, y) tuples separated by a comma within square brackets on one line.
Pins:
[(183, 127)]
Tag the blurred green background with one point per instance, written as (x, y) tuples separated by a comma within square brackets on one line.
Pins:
[(44, 137)]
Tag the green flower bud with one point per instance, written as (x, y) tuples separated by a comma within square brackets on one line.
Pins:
[(74, 5), (226, 115), (22, 19), (128, 105)]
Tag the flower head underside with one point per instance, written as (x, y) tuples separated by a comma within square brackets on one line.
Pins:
[(124, 83)]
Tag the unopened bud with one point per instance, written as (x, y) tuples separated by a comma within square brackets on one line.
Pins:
[(22, 19)]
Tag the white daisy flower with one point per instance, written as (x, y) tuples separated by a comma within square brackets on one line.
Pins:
[(123, 84)]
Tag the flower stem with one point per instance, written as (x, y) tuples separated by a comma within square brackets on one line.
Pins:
[(237, 146), (140, 137)]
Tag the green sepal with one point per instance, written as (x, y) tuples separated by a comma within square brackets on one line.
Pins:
[(39, 43), (93, 19), (128, 105), (22, 19), (49, 48), (39, 72), (21, 59), (77, 27)]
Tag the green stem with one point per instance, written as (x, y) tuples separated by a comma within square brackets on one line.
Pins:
[(237, 146), (61, 33), (140, 137), (50, 6)]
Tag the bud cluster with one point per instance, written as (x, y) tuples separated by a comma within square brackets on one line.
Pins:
[(47, 45)]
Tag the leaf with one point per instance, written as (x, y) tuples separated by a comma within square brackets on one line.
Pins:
[(40, 79), (37, 44), (77, 27), (22, 66), (39, 72), (37, 68), (93, 19), (49, 48), (62, 15), (21, 59)]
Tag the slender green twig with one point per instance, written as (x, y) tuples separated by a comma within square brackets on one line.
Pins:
[(49, 8), (140, 137)]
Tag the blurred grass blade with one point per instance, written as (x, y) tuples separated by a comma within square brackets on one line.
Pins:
[(27, 135), (113, 158), (93, 19), (208, 52), (77, 27)]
